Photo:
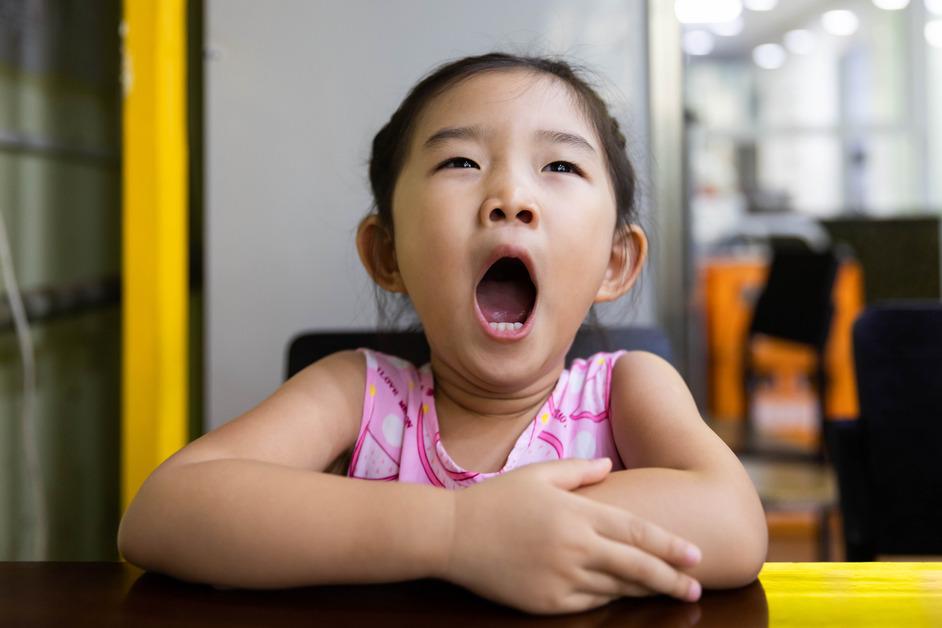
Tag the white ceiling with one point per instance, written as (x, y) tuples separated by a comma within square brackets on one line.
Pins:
[(764, 26)]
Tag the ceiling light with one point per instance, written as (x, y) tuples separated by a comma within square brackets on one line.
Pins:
[(728, 29), (840, 22), (700, 12), (698, 43), (891, 5), (769, 56), (933, 32), (760, 5), (934, 6), (800, 41)]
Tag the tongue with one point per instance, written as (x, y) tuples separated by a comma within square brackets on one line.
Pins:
[(504, 301)]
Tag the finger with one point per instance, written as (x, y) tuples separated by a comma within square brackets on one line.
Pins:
[(571, 473), (635, 565), (618, 525), (602, 583)]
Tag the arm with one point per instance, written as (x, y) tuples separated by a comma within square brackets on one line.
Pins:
[(248, 523), (680, 475), (247, 504)]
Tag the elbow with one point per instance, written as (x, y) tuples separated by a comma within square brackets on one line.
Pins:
[(753, 557), (751, 536), (128, 547), (741, 550), (139, 529)]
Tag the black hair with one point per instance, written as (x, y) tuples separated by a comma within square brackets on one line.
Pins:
[(391, 144)]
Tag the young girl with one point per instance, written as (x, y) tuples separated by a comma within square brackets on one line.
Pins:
[(505, 209)]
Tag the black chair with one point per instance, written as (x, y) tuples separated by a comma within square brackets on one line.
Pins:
[(308, 347), (887, 461), (795, 304)]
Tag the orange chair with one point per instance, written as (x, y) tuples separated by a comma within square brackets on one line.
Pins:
[(794, 305)]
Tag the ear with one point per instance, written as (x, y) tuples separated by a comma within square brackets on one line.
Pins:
[(629, 250), (378, 254)]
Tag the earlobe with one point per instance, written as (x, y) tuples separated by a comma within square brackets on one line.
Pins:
[(378, 254), (629, 250)]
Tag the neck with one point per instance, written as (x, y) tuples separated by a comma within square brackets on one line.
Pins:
[(458, 394)]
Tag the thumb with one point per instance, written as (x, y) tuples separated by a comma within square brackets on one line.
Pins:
[(572, 473)]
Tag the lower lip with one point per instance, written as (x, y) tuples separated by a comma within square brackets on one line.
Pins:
[(506, 334)]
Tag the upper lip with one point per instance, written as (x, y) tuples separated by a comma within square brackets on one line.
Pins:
[(508, 250)]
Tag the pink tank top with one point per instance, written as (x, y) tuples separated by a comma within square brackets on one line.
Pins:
[(399, 435)]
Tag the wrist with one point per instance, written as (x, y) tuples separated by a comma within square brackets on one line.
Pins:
[(447, 525)]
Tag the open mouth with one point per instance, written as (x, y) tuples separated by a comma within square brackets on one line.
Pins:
[(506, 294)]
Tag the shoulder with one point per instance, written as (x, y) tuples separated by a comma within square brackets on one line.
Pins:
[(389, 368), (642, 371), (595, 365), (376, 358), (655, 419), (343, 369), (307, 422), (335, 381)]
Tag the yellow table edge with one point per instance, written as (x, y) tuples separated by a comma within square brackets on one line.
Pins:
[(853, 594)]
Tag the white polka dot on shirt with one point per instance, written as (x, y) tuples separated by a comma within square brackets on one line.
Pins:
[(392, 429), (585, 444)]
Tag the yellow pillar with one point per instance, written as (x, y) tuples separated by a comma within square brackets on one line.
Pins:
[(154, 180)]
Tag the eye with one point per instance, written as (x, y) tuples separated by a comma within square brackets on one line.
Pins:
[(459, 162), (564, 167)]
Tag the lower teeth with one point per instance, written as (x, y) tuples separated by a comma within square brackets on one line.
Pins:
[(505, 326)]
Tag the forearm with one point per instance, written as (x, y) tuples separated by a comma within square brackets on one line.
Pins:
[(723, 518), (246, 523)]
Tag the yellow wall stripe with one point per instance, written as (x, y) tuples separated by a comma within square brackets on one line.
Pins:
[(154, 400)]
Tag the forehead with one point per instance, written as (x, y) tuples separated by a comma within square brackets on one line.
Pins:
[(500, 99)]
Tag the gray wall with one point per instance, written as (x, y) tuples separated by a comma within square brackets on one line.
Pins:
[(295, 91)]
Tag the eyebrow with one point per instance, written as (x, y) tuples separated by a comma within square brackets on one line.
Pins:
[(569, 139), (454, 133), (477, 133)]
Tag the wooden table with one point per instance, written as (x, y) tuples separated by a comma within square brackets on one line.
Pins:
[(787, 594)]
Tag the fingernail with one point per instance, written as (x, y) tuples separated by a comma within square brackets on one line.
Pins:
[(693, 554), (694, 593)]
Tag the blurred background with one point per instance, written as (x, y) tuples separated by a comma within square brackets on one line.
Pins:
[(180, 183)]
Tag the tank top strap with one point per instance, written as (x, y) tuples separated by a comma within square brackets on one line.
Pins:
[(388, 385)]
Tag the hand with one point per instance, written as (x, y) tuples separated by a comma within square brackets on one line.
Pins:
[(525, 540)]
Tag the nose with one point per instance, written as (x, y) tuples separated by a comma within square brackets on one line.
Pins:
[(510, 201)]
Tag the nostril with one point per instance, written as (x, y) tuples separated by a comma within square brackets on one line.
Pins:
[(496, 214), (525, 216)]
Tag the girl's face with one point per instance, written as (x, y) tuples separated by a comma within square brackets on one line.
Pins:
[(503, 158)]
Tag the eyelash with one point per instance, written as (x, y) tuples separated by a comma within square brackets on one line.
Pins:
[(573, 167)]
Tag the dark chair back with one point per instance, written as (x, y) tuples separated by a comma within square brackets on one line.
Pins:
[(888, 461), (795, 303), (309, 347)]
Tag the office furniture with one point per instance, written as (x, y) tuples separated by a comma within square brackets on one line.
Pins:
[(794, 305), (785, 594), (730, 286), (900, 255), (888, 460), (308, 347)]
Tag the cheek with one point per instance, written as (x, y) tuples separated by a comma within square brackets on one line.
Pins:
[(585, 226), (583, 248), (433, 252)]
